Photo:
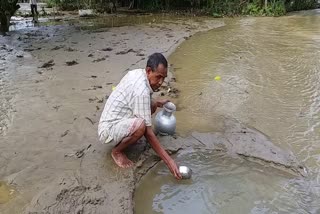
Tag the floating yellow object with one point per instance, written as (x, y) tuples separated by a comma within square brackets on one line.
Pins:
[(113, 88), (217, 78)]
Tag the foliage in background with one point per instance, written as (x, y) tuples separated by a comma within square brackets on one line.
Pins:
[(272, 8), (295, 5), (216, 8), (63, 4)]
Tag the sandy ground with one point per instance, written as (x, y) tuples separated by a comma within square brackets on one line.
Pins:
[(49, 148)]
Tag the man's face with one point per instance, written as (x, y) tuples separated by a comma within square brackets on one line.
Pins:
[(156, 77)]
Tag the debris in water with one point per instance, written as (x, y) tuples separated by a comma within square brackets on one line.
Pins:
[(217, 78)]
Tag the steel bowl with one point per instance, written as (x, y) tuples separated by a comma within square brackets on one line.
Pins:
[(185, 172)]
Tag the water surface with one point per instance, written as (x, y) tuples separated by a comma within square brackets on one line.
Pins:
[(270, 80)]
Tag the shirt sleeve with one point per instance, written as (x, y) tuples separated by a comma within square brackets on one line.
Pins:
[(142, 108)]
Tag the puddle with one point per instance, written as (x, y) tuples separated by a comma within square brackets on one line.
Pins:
[(221, 184), (6, 192)]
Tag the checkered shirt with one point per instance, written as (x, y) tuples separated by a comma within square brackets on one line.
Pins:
[(130, 99)]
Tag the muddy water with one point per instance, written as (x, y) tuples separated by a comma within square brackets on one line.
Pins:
[(270, 80), (219, 184), (97, 23)]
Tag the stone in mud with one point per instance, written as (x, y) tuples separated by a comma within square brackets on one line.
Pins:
[(99, 59), (70, 49), (57, 47), (71, 63), (48, 64), (107, 49), (64, 133), (126, 51)]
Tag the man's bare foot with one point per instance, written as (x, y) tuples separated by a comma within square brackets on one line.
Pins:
[(121, 159)]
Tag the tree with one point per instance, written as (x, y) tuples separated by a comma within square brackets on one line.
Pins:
[(7, 9)]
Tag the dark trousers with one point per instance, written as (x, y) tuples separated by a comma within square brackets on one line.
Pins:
[(34, 10)]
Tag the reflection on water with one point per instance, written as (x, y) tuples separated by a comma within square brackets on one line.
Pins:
[(270, 80), (221, 184)]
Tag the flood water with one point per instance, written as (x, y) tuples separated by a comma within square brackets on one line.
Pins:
[(270, 80)]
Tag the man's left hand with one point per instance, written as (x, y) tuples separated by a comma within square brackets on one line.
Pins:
[(161, 102)]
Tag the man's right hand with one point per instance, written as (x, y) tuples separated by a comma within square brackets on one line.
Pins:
[(154, 142), (174, 169)]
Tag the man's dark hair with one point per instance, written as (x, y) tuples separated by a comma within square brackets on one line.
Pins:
[(155, 60)]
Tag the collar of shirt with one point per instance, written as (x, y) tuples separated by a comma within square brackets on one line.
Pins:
[(147, 82)]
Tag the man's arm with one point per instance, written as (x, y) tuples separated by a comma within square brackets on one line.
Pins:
[(154, 107), (154, 142)]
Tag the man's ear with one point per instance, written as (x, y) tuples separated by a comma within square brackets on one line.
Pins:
[(148, 70)]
